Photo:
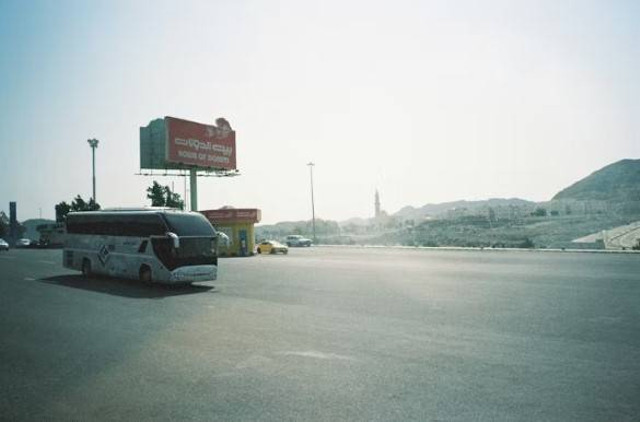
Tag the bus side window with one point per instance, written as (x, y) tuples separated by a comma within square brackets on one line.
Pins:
[(143, 246)]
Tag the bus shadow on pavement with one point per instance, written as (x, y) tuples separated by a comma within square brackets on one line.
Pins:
[(124, 287)]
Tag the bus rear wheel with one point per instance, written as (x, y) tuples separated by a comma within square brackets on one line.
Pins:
[(86, 267), (145, 275)]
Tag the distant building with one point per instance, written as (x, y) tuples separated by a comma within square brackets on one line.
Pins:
[(52, 234), (513, 213), (381, 218)]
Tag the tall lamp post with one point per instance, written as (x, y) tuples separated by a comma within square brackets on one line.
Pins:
[(313, 208), (93, 143)]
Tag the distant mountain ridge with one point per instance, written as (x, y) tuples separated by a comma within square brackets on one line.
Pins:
[(607, 199), (410, 212), (618, 182)]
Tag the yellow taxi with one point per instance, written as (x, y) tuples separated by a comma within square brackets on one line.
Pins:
[(272, 247)]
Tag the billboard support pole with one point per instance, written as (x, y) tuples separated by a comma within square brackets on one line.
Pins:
[(193, 181)]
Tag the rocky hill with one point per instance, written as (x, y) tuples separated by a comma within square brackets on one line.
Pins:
[(617, 182), (608, 198), (437, 210)]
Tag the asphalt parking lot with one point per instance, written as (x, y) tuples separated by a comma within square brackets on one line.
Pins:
[(326, 334)]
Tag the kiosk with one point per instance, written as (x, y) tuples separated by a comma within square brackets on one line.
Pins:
[(238, 224)]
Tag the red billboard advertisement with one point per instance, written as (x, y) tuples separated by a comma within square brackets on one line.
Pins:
[(196, 144)]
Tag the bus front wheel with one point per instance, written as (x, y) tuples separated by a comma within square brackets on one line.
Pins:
[(86, 267), (145, 275)]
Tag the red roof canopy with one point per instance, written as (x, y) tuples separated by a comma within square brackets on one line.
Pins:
[(233, 215)]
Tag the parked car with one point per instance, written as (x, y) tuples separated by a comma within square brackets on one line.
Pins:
[(297, 240), (272, 247), (23, 243), (4, 246)]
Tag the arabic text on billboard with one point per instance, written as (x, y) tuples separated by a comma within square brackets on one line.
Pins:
[(250, 215), (204, 146)]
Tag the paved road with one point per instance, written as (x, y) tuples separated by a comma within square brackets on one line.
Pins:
[(328, 335)]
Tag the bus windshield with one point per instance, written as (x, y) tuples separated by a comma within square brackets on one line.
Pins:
[(189, 225), (192, 251)]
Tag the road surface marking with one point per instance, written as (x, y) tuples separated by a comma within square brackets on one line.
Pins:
[(29, 279)]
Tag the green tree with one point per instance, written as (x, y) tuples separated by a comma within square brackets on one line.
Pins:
[(155, 192), (173, 199), (162, 196), (539, 212), (5, 229), (62, 209), (78, 204)]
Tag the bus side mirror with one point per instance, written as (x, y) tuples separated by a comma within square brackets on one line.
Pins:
[(175, 238), (224, 239)]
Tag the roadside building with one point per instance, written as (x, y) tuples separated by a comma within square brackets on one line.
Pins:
[(52, 234), (239, 225)]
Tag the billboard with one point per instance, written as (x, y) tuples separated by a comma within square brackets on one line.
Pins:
[(172, 143)]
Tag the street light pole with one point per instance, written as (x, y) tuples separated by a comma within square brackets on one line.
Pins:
[(313, 208), (93, 143)]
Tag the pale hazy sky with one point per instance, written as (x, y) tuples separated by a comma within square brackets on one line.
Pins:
[(427, 101)]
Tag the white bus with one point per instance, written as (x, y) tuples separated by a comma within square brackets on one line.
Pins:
[(159, 245)]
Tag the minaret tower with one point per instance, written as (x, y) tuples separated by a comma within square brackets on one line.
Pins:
[(378, 211)]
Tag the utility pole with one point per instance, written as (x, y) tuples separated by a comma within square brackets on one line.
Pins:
[(93, 143), (313, 208)]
